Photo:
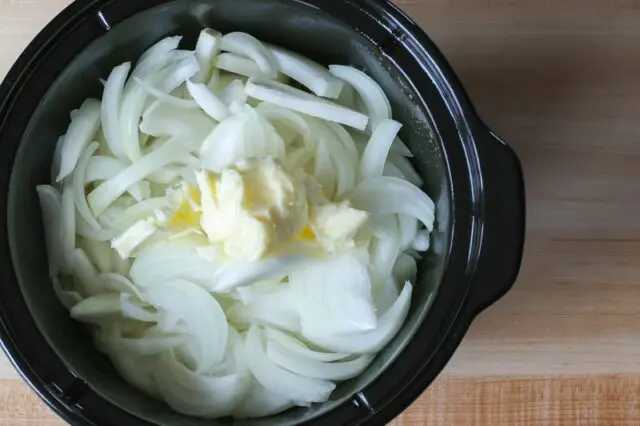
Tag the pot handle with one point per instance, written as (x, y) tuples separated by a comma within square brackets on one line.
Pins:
[(503, 222)]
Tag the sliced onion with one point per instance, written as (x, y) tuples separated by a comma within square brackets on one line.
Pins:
[(291, 119), (375, 154), (156, 56), (276, 309), (388, 195), (177, 74), (302, 390), (310, 74), (306, 367), (169, 262), (79, 178), (260, 402), (208, 101), (207, 48), (343, 164), (237, 64), (296, 346), (246, 45), (199, 394), (84, 126), (97, 308), (383, 256), (201, 314), (107, 192), (233, 93), (164, 97), (334, 297), (101, 167), (163, 120), (296, 256), (144, 345), (120, 219), (87, 231), (111, 99), (56, 162), (225, 145), (99, 252), (118, 282), (347, 141), (134, 237), (375, 101), (372, 341), (297, 100)]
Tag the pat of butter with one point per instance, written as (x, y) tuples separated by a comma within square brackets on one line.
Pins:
[(251, 208), (336, 225)]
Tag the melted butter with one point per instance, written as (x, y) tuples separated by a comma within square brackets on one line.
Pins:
[(307, 234), (188, 214)]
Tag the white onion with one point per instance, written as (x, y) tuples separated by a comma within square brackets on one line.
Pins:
[(246, 45), (310, 74), (201, 313), (297, 100), (164, 97), (375, 154), (334, 297), (388, 195), (147, 225), (110, 107), (107, 192), (371, 94), (84, 126), (275, 378), (207, 47), (299, 364), (208, 101), (156, 56), (237, 64), (374, 340)]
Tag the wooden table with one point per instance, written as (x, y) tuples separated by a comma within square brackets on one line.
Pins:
[(560, 81)]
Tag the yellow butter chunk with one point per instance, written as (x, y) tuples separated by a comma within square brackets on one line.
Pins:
[(252, 207), (336, 225)]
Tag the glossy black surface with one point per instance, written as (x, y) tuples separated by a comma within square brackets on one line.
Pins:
[(475, 179)]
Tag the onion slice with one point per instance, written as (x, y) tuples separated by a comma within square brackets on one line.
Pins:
[(246, 45), (208, 101), (310, 74), (389, 195), (107, 192), (298, 364), (372, 341), (111, 99), (302, 390), (297, 100), (375, 101), (375, 154), (84, 126)]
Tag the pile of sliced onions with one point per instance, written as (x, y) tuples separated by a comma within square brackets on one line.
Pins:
[(211, 337)]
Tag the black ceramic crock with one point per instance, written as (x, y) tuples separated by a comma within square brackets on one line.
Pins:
[(473, 176)]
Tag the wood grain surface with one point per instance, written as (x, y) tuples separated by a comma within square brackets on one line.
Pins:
[(559, 80)]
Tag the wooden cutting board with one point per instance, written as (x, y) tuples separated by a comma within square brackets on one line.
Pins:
[(559, 80)]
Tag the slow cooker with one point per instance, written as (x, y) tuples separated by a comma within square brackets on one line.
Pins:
[(474, 177)]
